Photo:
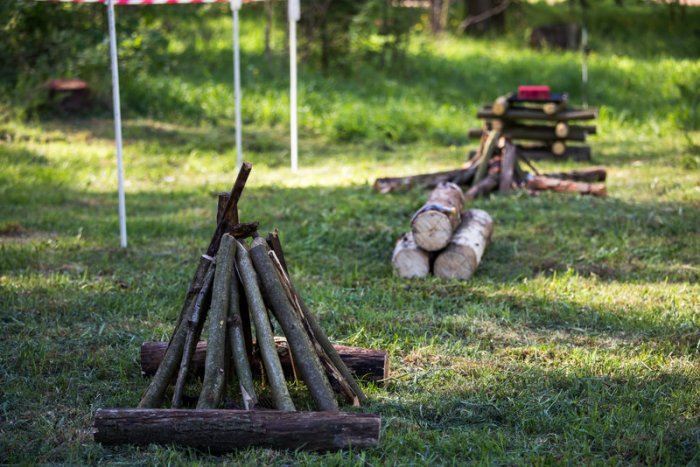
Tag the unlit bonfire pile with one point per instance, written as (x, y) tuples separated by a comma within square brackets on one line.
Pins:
[(496, 166), (542, 124), (443, 238), (233, 285)]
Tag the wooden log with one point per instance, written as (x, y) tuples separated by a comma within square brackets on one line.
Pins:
[(153, 395), (558, 148), (519, 113), (223, 431), (590, 175), (507, 168), (552, 108), (194, 330), (263, 331), (500, 105), (315, 328), (463, 255), (543, 133), (408, 259), (214, 381), (237, 343), (561, 130), (486, 151), (540, 182), (484, 187), (306, 361), (366, 364), (537, 153), (430, 180), (432, 225)]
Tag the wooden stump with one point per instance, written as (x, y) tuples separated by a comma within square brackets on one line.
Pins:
[(433, 224), (222, 431), (408, 259), (461, 258)]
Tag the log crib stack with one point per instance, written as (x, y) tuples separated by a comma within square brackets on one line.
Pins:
[(234, 284), (541, 122), (443, 238)]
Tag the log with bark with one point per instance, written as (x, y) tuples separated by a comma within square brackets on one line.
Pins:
[(431, 180), (544, 152), (153, 396), (507, 168), (366, 364), (408, 259), (540, 183), (432, 225), (463, 255), (305, 358), (223, 431), (590, 175), (484, 187), (519, 113)]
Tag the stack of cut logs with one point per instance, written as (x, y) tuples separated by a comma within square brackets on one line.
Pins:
[(443, 238), (233, 283), (541, 122)]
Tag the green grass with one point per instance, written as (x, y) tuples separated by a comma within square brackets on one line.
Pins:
[(577, 341)]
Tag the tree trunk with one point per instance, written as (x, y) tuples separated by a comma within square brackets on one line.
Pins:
[(477, 8), (368, 364), (566, 186), (461, 258), (408, 259), (430, 180), (223, 431), (433, 224)]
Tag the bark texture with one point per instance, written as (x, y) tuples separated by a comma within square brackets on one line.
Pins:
[(408, 259), (366, 364), (306, 360), (463, 255), (222, 431), (431, 180)]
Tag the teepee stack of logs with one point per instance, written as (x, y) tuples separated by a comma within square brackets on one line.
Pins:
[(236, 283), (541, 122), (443, 237)]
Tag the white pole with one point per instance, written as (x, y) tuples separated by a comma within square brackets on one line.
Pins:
[(294, 14), (117, 120), (235, 6)]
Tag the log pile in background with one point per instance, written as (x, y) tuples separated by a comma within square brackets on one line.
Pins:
[(443, 238), (233, 285), (540, 122)]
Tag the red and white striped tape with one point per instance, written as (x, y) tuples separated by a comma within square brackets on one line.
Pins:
[(147, 2)]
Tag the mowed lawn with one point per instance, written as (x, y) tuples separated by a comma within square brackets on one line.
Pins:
[(577, 341)]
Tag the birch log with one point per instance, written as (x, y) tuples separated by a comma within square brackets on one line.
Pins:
[(461, 258), (408, 259), (433, 224)]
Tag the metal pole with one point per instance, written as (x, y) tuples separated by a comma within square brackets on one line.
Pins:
[(584, 61), (235, 6), (293, 13), (117, 120)]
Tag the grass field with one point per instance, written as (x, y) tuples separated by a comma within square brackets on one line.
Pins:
[(577, 341)]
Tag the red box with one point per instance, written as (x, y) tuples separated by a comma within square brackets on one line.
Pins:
[(533, 92)]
